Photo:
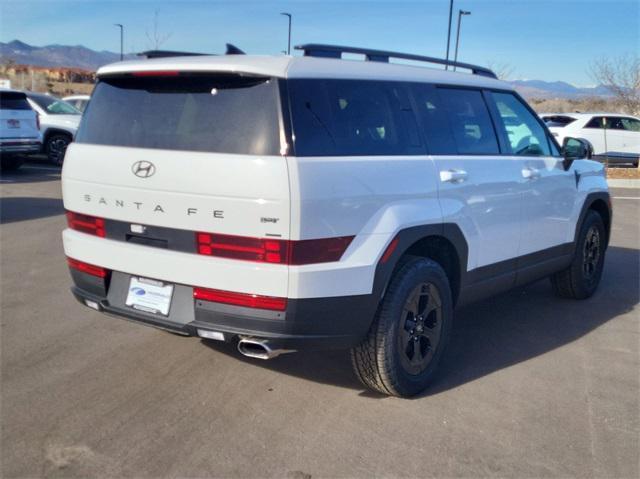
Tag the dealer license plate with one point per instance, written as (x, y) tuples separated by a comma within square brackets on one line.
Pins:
[(149, 295)]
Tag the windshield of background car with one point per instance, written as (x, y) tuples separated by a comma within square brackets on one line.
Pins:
[(558, 121), (223, 113), (54, 106)]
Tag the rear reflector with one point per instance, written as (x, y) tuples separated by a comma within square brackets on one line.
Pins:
[(240, 299), (86, 224), (91, 269), (275, 251)]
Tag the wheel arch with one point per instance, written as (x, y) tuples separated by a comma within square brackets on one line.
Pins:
[(443, 243), (55, 131), (600, 202)]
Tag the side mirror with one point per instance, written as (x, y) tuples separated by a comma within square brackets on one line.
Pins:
[(576, 149)]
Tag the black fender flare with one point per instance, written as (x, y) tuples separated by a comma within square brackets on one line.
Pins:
[(406, 238), (590, 199)]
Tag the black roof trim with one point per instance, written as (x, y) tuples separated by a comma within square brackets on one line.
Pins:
[(336, 51), (168, 53)]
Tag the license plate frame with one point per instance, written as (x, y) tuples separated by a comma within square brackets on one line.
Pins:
[(149, 295)]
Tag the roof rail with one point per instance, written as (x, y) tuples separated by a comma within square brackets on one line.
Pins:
[(168, 53), (335, 51)]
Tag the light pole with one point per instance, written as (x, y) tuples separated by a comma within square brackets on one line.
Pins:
[(121, 39), (289, 41), (446, 66), (460, 14)]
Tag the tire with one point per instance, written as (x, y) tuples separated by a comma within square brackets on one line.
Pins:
[(387, 360), (10, 163), (56, 146), (580, 280)]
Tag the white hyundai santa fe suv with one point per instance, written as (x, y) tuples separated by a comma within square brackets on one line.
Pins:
[(291, 203)]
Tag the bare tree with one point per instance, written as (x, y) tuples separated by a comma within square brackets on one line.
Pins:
[(155, 38), (502, 70), (621, 76)]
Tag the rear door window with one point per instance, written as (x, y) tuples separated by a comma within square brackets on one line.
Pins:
[(595, 122), (469, 121), (210, 113), (352, 117), (525, 134)]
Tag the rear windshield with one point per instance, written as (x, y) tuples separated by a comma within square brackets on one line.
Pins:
[(13, 101), (557, 121), (211, 113)]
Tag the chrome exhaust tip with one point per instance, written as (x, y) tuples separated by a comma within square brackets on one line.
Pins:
[(260, 348)]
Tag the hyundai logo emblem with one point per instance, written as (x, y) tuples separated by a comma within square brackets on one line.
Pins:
[(143, 169)]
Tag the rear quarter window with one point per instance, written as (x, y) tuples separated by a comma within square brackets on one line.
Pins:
[(352, 118), (210, 113)]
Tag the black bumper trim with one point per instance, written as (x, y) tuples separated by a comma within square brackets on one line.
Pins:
[(317, 323)]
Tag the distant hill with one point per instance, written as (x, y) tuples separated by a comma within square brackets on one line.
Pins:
[(76, 56), (79, 56), (557, 89)]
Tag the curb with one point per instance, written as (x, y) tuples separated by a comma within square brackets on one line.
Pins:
[(623, 183)]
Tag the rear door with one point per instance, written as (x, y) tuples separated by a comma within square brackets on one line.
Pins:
[(623, 135), (478, 189), (17, 119), (196, 152)]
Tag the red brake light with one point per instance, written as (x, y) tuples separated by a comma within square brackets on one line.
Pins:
[(158, 73), (240, 299), (274, 251), (241, 247), (91, 269), (86, 224)]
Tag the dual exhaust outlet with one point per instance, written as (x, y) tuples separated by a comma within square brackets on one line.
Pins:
[(261, 348)]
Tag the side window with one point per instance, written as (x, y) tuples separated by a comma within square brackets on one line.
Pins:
[(433, 120), (469, 121), (595, 122), (630, 124), (614, 123), (352, 117), (526, 135)]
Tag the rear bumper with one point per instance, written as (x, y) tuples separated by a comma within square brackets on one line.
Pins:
[(20, 146), (318, 323)]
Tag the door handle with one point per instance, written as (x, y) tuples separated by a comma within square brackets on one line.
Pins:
[(453, 176), (530, 173)]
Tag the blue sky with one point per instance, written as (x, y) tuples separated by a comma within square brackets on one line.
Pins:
[(540, 39)]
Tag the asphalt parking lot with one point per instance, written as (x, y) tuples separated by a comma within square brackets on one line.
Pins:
[(532, 385)]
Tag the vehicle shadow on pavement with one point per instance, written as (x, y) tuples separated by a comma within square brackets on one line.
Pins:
[(491, 335), (30, 173), (14, 209)]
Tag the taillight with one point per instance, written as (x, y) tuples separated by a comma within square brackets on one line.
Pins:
[(91, 269), (37, 121), (240, 299), (241, 247), (275, 251), (86, 224)]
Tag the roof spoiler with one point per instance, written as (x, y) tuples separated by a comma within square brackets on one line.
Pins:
[(231, 50), (335, 51)]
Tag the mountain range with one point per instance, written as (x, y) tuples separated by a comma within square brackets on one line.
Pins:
[(79, 56)]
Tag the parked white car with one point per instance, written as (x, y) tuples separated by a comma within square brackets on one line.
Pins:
[(614, 137), (59, 122), (80, 102), (19, 129)]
